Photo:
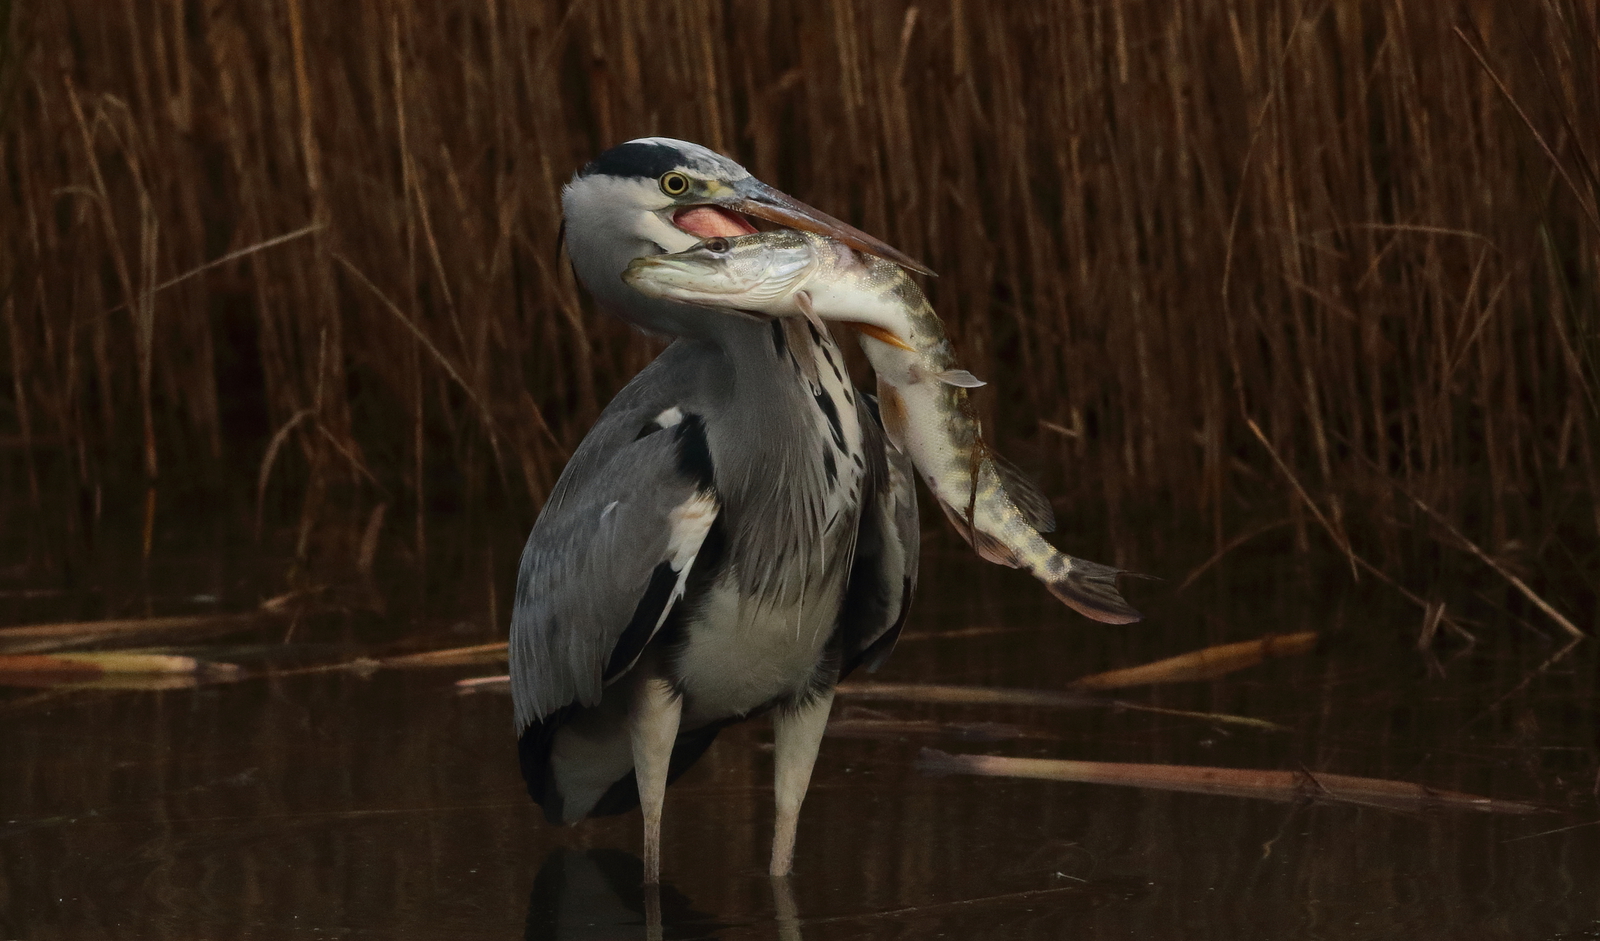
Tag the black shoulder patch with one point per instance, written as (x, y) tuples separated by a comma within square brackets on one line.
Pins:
[(694, 452), (878, 651), (634, 159), (831, 412), (646, 615), (828, 355)]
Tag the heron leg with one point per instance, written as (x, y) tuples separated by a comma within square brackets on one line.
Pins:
[(797, 736), (786, 913), (653, 716), (652, 912)]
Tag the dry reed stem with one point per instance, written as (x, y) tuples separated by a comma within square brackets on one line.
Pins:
[(1368, 228), (1048, 699), (1229, 782), (1338, 536), (1585, 197), (1212, 718), (46, 638), (1203, 664), (500, 684), (453, 656), (1222, 552), (223, 260), (122, 626), (1505, 573), (887, 727), (104, 662), (439, 357), (450, 657), (944, 694)]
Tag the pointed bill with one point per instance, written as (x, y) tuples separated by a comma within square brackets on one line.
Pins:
[(755, 198)]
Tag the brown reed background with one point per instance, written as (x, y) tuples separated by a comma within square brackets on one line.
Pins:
[(306, 253)]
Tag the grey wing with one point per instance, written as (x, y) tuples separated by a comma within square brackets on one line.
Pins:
[(607, 558), (883, 577)]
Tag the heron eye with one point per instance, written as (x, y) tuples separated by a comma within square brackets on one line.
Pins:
[(717, 246), (674, 183)]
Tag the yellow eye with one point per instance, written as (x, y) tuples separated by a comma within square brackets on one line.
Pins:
[(717, 246), (674, 183)]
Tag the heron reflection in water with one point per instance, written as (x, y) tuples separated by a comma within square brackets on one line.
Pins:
[(597, 895)]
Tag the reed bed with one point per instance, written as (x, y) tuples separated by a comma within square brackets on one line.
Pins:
[(306, 254)]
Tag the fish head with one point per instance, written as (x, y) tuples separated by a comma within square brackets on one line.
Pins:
[(759, 273)]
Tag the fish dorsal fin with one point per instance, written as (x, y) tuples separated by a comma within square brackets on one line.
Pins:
[(1025, 494), (892, 412), (960, 378)]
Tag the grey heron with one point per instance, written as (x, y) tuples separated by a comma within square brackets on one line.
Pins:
[(732, 536)]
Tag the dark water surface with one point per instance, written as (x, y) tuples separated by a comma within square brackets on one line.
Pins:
[(387, 805)]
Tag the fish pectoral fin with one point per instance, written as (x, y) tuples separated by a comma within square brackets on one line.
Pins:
[(802, 300), (802, 349), (988, 548), (892, 412), (959, 378), (1025, 494)]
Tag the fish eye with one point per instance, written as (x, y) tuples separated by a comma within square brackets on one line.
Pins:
[(716, 246), (674, 183)]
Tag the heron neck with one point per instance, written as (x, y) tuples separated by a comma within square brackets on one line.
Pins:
[(764, 381), (757, 351)]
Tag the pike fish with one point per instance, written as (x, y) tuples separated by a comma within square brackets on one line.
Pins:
[(922, 392)]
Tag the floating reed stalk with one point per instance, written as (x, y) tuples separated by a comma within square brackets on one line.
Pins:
[(1228, 782)]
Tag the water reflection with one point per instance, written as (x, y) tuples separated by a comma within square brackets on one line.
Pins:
[(296, 805), (598, 895)]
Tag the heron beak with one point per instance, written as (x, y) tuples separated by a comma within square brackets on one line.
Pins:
[(755, 198)]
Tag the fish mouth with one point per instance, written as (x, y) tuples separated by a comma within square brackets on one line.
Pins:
[(687, 280), (657, 274)]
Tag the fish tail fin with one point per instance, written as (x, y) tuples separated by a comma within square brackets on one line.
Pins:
[(1090, 589)]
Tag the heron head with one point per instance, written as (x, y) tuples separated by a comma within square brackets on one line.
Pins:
[(658, 195)]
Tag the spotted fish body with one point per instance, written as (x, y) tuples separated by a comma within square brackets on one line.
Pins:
[(922, 391)]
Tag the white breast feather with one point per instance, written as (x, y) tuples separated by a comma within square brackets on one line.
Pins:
[(691, 520)]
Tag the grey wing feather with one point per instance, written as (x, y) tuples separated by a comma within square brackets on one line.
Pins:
[(884, 575), (599, 539), (586, 566)]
